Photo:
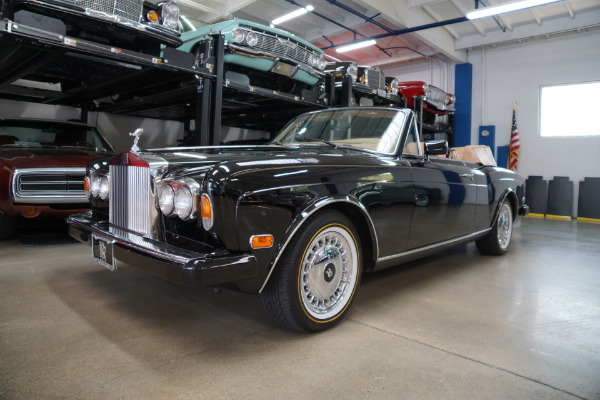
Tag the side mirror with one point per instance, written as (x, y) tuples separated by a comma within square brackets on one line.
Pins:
[(436, 147)]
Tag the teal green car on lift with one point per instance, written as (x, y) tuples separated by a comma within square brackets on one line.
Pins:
[(268, 57)]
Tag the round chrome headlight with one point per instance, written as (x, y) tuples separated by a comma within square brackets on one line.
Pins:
[(452, 99), (170, 14), (166, 200), (313, 60), (171, 7), (184, 202), (104, 188), (95, 186), (394, 86), (251, 39), (321, 64), (238, 35), (352, 71)]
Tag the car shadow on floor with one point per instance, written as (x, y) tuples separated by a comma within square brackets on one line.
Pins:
[(131, 305), (41, 232)]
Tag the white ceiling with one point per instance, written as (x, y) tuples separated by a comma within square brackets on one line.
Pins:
[(322, 26)]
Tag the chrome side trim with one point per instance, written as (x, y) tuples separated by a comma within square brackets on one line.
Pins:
[(48, 196), (303, 216), (433, 246)]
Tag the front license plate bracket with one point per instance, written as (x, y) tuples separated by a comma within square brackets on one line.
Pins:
[(103, 252)]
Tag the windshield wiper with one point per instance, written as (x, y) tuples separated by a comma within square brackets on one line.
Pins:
[(309, 139)]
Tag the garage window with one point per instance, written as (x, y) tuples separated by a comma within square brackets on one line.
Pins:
[(569, 110)]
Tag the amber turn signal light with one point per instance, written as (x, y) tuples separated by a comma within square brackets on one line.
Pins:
[(31, 212), (86, 184), (205, 208), (153, 16), (261, 241)]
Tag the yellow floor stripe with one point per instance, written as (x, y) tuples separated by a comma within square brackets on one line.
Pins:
[(532, 215), (592, 220), (561, 217)]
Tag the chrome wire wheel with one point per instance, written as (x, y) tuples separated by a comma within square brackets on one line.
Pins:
[(505, 221), (328, 273)]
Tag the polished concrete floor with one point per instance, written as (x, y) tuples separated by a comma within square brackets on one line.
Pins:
[(453, 326)]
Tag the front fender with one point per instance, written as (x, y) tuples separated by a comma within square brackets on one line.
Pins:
[(335, 202)]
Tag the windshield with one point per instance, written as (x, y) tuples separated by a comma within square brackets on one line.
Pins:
[(371, 129), (48, 133)]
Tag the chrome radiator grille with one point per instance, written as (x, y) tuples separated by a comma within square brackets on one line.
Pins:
[(375, 78), (273, 45), (130, 204), (49, 185), (130, 9)]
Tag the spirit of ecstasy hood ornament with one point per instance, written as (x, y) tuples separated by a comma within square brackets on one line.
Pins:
[(136, 134)]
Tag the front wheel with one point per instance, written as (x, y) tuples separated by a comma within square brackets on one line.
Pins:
[(498, 240), (314, 284)]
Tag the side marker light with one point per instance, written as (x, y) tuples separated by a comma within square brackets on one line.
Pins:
[(261, 241)]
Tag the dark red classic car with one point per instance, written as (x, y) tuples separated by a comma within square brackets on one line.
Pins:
[(42, 167), (435, 100)]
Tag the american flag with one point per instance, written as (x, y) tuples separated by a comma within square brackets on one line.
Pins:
[(515, 144)]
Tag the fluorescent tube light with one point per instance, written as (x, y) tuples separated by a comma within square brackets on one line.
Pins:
[(293, 14), (505, 8), (355, 46)]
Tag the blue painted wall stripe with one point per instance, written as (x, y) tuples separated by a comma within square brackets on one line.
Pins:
[(463, 89)]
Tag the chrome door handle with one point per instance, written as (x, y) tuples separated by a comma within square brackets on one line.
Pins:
[(466, 176)]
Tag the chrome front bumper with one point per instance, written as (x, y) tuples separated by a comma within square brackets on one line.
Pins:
[(51, 7), (248, 52), (171, 263)]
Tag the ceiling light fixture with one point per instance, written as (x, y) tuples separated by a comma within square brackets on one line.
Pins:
[(293, 14), (505, 8), (354, 46)]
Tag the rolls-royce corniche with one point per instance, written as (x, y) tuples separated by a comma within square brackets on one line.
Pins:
[(337, 193), (42, 166)]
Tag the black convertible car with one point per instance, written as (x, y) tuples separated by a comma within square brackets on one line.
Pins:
[(337, 193)]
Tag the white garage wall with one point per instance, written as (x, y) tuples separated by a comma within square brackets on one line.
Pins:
[(515, 72), (115, 128)]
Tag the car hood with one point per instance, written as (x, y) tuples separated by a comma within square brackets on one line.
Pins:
[(47, 157), (233, 160)]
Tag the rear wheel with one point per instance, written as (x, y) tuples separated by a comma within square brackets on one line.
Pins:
[(7, 226), (497, 240), (314, 284)]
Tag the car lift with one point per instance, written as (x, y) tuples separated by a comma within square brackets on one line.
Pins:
[(50, 68)]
